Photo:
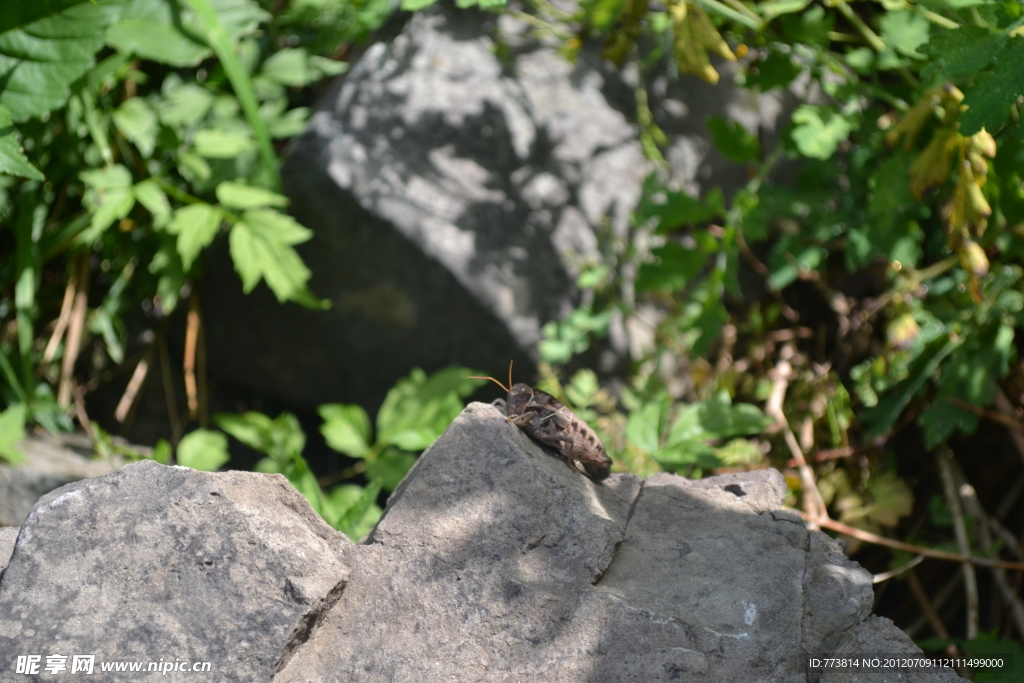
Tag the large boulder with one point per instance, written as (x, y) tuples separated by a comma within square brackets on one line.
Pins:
[(454, 197), (50, 462), (494, 561)]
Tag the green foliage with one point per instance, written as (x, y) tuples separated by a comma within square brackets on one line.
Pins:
[(12, 430), (414, 413), (695, 437)]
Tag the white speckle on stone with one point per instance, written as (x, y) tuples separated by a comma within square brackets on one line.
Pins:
[(750, 613)]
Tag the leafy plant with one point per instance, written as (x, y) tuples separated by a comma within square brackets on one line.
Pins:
[(414, 413)]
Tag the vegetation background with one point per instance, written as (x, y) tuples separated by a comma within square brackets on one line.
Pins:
[(876, 363)]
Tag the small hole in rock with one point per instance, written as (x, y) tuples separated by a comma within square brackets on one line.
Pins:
[(736, 490)]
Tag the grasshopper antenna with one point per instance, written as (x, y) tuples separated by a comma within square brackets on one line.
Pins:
[(507, 389)]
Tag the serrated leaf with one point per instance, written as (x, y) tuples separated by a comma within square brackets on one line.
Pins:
[(288, 67), (993, 92), (12, 157), (891, 499), (905, 31), (966, 50), (149, 194), (419, 407), (40, 60), (644, 426), (203, 450), (218, 143), (169, 32), (109, 197), (390, 468), (775, 71), (941, 419), (241, 196), (352, 521), (195, 225), (137, 121), (12, 430), (819, 130), (346, 428), (675, 266), (883, 416), (733, 140), (261, 249), (184, 105)]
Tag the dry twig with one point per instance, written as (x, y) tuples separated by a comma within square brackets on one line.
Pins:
[(76, 324), (963, 542)]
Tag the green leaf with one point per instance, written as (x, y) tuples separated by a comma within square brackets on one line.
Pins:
[(261, 248), (242, 196), (676, 265), (419, 408), (109, 197), (993, 92), (416, 5), (166, 264), (721, 419), (819, 130), (12, 430), (734, 141), (162, 452), (39, 61), (883, 416), (905, 31), (281, 438), (184, 105), (775, 71), (218, 143), (149, 194), (644, 426), (891, 499), (963, 51), (137, 121), (353, 522), (203, 450), (12, 157), (170, 32), (289, 67), (346, 428), (195, 225), (941, 419), (390, 468)]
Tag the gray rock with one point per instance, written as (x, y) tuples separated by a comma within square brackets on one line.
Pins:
[(50, 462), (8, 534), (494, 562), (454, 198), (153, 563)]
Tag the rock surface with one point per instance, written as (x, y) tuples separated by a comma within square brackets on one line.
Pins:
[(152, 563), (49, 463), (493, 562), (454, 198)]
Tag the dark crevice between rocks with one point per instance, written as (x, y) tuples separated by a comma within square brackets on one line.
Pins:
[(308, 624), (618, 544)]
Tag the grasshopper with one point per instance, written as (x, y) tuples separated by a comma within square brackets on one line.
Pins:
[(547, 420)]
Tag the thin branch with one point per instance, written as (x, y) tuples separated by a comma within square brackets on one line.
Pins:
[(813, 501), (885, 576), (189, 362), (963, 542), (131, 392), (993, 415), (80, 274), (168, 380), (62, 325), (1005, 407), (869, 537)]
